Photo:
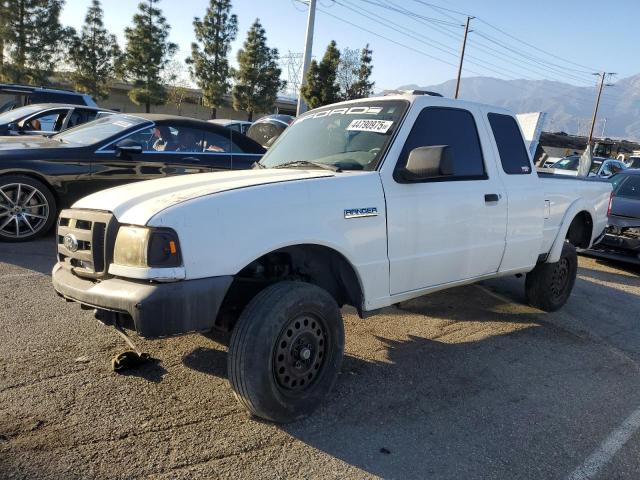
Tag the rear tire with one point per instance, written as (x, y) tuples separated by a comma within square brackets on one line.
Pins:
[(27, 208), (286, 351), (549, 285)]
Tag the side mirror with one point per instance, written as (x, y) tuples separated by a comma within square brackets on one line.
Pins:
[(128, 147), (428, 162), (13, 127)]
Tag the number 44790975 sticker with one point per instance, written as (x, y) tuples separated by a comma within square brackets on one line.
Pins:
[(362, 125)]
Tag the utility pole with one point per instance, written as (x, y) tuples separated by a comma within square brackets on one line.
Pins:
[(602, 76), (464, 44), (302, 106)]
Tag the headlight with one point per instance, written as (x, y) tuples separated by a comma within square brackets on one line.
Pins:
[(147, 247)]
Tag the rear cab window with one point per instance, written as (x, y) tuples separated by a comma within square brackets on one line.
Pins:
[(513, 153)]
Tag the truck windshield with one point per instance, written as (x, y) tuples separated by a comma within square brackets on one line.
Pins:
[(349, 136)]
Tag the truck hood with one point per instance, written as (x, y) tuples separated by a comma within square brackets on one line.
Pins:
[(136, 203)]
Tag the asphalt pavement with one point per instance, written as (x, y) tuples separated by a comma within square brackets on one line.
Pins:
[(468, 383)]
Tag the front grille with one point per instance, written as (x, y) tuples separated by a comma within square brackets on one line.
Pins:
[(84, 241)]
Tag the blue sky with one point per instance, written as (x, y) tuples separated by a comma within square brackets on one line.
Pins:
[(592, 35)]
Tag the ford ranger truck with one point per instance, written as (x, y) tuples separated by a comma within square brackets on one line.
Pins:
[(366, 203)]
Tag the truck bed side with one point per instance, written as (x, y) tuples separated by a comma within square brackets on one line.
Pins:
[(565, 198)]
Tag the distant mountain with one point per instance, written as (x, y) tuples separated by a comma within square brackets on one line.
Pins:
[(569, 108)]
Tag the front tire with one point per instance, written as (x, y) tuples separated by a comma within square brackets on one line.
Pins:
[(27, 208), (549, 285), (286, 351)]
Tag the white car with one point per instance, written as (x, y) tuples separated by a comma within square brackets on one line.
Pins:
[(366, 203)]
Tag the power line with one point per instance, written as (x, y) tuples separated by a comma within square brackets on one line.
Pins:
[(538, 60), (535, 59), (421, 38), (479, 61), (536, 63), (534, 47), (394, 8), (443, 9), (559, 74), (420, 52)]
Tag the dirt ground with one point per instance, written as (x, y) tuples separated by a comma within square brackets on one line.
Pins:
[(464, 384)]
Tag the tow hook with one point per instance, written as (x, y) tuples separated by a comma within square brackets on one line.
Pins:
[(129, 358)]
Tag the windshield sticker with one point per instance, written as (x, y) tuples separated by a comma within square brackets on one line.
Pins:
[(122, 123), (363, 110), (377, 126)]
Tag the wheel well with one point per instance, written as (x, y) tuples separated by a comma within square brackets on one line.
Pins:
[(37, 177), (314, 264), (580, 230)]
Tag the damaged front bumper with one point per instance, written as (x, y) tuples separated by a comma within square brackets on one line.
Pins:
[(157, 309)]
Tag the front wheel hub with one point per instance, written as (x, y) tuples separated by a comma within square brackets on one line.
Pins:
[(300, 353)]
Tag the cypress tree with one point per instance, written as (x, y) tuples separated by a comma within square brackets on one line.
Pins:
[(347, 74), (363, 87), (258, 76), (322, 87), (93, 55), (32, 39), (147, 53), (209, 65)]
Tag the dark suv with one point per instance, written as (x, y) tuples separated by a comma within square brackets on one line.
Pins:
[(27, 95)]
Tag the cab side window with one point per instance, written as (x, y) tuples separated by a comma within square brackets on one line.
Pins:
[(49, 121), (454, 128), (513, 153)]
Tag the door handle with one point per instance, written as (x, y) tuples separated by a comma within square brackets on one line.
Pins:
[(191, 159), (491, 197)]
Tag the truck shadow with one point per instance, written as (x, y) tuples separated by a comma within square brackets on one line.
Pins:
[(484, 390)]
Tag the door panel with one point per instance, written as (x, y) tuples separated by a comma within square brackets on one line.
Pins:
[(449, 228), (443, 232)]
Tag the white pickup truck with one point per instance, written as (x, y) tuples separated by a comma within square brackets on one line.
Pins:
[(366, 203)]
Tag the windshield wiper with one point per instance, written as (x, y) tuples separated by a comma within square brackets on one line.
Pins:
[(300, 163)]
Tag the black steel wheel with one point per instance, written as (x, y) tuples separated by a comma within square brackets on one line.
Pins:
[(549, 285), (560, 277), (286, 351), (27, 208), (299, 354)]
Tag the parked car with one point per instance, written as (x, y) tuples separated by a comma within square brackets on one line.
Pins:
[(235, 125), (27, 95), (40, 175), (633, 162), (623, 230), (550, 161), (368, 203), (267, 129), (600, 166), (47, 118)]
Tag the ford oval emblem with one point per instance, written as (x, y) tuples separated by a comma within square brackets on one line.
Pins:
[(70, 242)]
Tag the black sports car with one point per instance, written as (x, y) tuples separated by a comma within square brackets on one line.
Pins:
[(40, 175)]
